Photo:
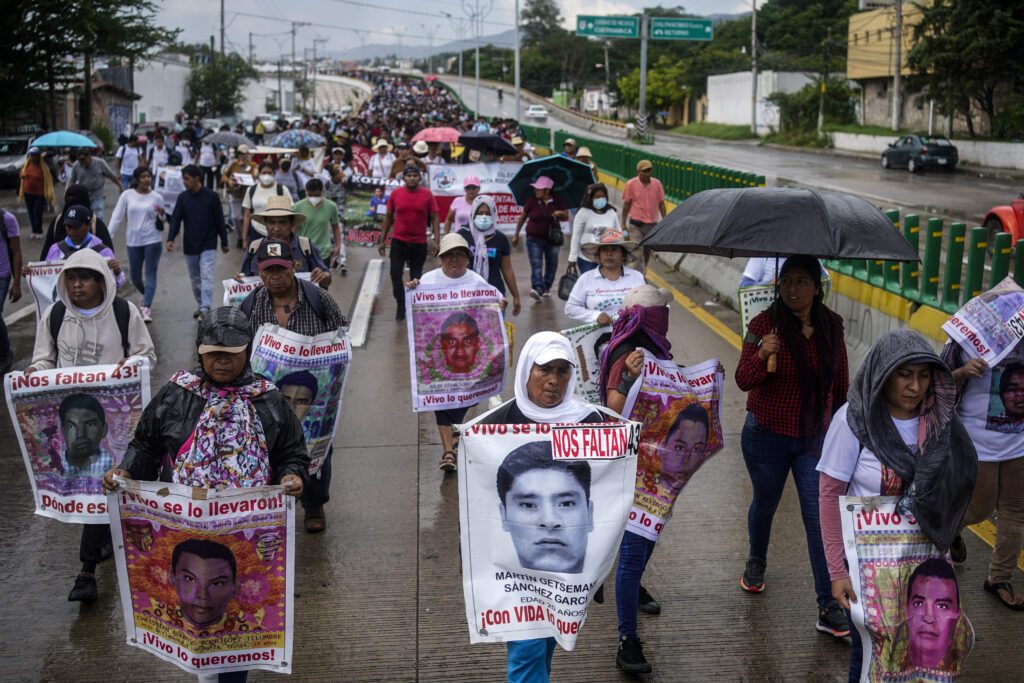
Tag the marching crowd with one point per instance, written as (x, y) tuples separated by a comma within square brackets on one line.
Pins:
[(911, 423)]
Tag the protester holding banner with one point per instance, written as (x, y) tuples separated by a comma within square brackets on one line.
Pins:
[(991, 393), (492, 253), (75, 195), (300, 307), (10, 279), (789, 411), (89, 325), (898, 435), (77, 224), (594, 217), (598, 294), (139, 208), (541, 214), (544, 393), (411, 209), (460, 338)]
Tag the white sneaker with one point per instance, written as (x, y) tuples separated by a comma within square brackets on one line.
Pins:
[(146, 315)]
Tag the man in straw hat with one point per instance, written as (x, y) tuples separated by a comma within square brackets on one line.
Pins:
[(281, 222), (200, 209), (380, 163)]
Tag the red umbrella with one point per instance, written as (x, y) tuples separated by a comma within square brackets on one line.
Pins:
[(431, 77), (437, 134)]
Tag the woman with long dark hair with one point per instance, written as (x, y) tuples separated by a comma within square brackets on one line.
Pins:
[(793, 364)]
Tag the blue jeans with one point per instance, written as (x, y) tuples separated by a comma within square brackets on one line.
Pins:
[(543, 263), (770, 457), (317, 490), (856, 650), (634, 552), (35, 203), (5, 341), (200, 271), (98, 207), (584, 265), (126, 180), (529, 661), (148, 254)]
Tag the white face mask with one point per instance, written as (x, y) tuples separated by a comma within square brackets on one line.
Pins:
[(267, 179), (315, 201)]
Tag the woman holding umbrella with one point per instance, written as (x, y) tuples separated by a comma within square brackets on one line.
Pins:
[(793, 364), (541, 214)]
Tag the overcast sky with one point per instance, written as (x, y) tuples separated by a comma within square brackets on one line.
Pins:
[(345, 22)]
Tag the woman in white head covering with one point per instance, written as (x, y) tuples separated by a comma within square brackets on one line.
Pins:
[(545, 388), (492, 253)]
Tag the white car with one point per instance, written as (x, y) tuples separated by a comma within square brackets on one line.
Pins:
[(269, 123), (536, 111)]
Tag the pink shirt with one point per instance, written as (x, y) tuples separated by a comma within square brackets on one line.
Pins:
[(645, 200)]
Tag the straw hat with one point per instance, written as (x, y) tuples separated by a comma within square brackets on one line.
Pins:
[(452, 240), (279, 206), (517, 141), (584, 152), (610, 238), (381, 142)]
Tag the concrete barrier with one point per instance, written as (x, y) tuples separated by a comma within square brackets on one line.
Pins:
[(979, 153)]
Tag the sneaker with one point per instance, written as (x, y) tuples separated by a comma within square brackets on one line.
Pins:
[(400, 314), (547, 292), (832, 619), (958, 550), (344, 269), (147, 317), (84, 590), (647, 603), (198, 312), (753, 575), (631, 656), (536, 293)]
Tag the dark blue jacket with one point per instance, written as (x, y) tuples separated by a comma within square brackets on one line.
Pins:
[(204, 221)]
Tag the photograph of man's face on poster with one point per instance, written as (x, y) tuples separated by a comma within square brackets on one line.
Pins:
[(460, 343), (204, 576), (684, 447), (299, 391), (83, 424), (933, 610), (1006, 400), (546, 508)]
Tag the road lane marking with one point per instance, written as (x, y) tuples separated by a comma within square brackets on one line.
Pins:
[(710, 321), (360, 325), (987, 532)]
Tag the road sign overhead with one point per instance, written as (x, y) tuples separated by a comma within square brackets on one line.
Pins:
[(607, 27), (672, 28)]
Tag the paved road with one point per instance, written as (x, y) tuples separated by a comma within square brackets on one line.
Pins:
[(378, 595), (961, 195)]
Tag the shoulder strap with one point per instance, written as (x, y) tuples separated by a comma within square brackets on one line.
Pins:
[(56, 320), (252, 192), (98, 247), (304, 246), (247, 303), (316, 301), (280, 189), (64, 248), (122, 315)]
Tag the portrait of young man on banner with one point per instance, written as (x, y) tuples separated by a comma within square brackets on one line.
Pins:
[(1006, 403)]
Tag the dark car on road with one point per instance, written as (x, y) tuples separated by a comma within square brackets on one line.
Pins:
[(918, 152)]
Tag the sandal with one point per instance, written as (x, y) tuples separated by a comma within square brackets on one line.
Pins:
[(448, 461), (994, 589)]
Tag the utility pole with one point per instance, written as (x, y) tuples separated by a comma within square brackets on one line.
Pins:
[(641, 117), (459, 26), (295, 26), (315, 69), (430, 32), (280, 89), (753, 68), (221, 28), (250, 48), (824, 79), (607, 76), (897, 66), (476, 12), (517, 62), (213, 78)]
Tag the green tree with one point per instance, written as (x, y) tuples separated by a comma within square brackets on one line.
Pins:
[(798, 112), (539, 19), (215, 85), (967, 51), (666, 85)]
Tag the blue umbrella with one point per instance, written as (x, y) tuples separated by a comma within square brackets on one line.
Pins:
[(570, 178), (63, 138), (297, 137)]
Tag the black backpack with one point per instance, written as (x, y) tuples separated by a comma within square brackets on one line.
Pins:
[(304, 246), (311, 291), (67, 250), (252, 190), (122, 314)]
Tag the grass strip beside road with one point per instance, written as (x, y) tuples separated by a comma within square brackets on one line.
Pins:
[(718, 131)]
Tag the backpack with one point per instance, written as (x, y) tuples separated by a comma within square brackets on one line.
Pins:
[(304, 246), (122, 314), (311, 291), (252, 190), (66, 249)]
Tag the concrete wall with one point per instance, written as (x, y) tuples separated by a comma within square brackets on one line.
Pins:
[(256, 92), (993, 154), (729, 96), (162, 82)]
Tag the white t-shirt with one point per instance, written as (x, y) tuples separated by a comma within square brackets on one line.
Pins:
[(380, 166), (588, 226), (257, 202), (159, 158), (594, 294), (207, 154), (437, 277), (843, 459), (992, 445), (129, 157), (138, 213)]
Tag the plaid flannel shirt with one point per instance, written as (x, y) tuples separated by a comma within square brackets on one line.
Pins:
[(303, 320)]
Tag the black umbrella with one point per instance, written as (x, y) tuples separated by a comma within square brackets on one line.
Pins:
[(570, 178), (486, 142), (767, 221), (227, 138)]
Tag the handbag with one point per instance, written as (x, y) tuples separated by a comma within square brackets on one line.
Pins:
[(567, 282), (556, 237)]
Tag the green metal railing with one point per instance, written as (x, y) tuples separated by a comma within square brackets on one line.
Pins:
[(537, 136), (929, 283), (681, 178)]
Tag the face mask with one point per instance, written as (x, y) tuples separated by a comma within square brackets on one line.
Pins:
[(266, 179), (315, 201), (483, 222), (600, 203)]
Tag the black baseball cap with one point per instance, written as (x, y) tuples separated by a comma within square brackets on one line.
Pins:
[(77, 216), (224, 329), (274, 253)]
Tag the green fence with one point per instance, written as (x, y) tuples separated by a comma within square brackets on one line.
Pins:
[(537, 136), (680, 178), (929, 283)]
